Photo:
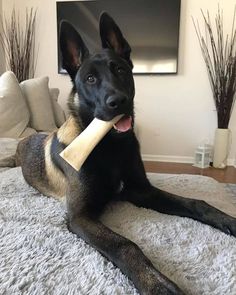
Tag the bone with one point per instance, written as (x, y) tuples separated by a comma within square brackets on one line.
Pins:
[(80, 148)]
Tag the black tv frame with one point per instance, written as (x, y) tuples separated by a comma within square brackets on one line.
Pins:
[(62, 71)]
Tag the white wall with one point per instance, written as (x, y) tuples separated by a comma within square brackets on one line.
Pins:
[(174, 112), (2, 63)]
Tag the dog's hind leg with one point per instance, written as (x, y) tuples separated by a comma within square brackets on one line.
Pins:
[(83, 221)]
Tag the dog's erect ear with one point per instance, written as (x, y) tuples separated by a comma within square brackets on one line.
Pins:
[(112, 37), (73, 49)]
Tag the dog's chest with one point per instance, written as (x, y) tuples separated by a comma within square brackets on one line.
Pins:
[(107, 164), (116, 179)]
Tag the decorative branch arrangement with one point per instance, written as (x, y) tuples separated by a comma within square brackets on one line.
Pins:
[(18, 42), (219, 53)]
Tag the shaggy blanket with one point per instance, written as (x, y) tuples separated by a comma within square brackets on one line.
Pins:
[(38, 255)]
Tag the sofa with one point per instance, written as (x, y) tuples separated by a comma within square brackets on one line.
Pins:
[(25, 109)]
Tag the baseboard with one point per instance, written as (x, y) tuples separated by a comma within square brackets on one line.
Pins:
[(231, 162), (177, 159), (163, 158)]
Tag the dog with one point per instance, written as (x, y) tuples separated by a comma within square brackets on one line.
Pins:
[(103, 87)]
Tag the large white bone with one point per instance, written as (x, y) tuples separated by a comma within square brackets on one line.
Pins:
[(79, 149)]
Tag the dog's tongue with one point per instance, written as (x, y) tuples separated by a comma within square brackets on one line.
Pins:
[(124, 124)]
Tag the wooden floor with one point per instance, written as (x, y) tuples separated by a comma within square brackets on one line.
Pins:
[(227, 175)]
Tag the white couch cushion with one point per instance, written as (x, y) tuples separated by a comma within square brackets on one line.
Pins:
[(27, 132), (14, 113), (59, 114), (36, 92)]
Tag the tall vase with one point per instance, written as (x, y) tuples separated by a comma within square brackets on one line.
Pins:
[(221, 148)]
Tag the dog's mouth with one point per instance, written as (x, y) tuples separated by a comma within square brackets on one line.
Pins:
[(124, 124)]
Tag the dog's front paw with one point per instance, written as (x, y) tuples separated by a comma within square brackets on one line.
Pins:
[(168, 290), (228, 226), (162, 287)]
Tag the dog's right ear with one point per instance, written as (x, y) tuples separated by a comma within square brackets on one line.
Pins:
[(112, 37), (73, 49)]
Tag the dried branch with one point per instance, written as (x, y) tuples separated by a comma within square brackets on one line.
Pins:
[(18, 43), (220, 59)]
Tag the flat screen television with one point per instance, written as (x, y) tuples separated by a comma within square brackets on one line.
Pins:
[(151, 27)]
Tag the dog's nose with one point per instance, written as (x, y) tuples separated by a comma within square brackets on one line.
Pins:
[(116, 101)]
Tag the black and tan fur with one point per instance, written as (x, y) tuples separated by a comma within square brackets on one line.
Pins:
[(103, 87)]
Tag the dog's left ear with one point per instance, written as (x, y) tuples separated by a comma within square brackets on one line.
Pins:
[(112, 38)]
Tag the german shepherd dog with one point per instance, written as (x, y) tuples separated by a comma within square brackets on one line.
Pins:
[(103, 87)]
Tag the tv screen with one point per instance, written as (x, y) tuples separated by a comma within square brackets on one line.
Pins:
[(151, 27)]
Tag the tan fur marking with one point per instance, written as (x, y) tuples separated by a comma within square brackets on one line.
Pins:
[(57, 180), (68, 131)]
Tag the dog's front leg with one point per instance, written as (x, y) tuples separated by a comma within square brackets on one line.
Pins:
[(138, 190), (164, 202), (122, 252)]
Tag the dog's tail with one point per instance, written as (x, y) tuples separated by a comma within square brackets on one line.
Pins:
[(13, 160), (8, 161)]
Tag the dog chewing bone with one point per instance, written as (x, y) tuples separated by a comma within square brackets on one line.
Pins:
[(79, 149)]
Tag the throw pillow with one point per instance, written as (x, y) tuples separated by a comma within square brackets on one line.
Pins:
[(59, 114), (38, 98), (14, 113)]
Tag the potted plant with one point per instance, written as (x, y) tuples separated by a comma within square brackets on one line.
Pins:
[(219, 53), (18, 41)]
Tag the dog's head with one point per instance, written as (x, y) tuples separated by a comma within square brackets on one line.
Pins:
[(103, 82)]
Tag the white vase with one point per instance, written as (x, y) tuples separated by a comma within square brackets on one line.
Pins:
[(221, 148)]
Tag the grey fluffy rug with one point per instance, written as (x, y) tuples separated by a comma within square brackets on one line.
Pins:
[(39, 256)]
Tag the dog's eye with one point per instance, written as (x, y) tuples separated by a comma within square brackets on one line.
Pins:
[(91, 79), (120, 70)]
